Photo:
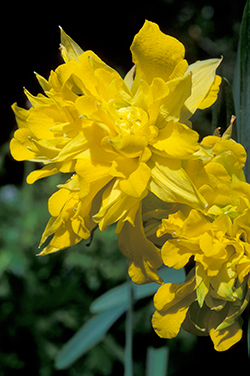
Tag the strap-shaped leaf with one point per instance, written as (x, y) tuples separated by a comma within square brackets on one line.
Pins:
[(224, 108), (120, 295), (157, 361), (241, 85), (89, 335)]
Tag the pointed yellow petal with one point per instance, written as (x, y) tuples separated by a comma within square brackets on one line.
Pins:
[(44, 172), (21, 115), (40, 99), (129, 78), (69, 49), (64, 237), (170, 183), (205, 85), (43, 82), (212, 94), (172, 105)]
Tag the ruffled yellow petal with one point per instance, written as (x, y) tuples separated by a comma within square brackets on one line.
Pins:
[(57, 201), (167, 325), (21, 144), (225, 338), (136, 184), (144, 257), (177, 140), (156, 55), (129, 146), (172, 104), (117, 206), (172, 302), (41, 119), (231, 146), (62, 205), (176, 255), (92, 176)]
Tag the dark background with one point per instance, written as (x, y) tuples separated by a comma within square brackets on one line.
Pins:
[(30, 37), (45, 300)]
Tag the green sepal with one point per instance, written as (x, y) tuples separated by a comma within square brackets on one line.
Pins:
[(234, 312)]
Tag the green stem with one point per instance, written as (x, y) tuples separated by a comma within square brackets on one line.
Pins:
[(129, 336)]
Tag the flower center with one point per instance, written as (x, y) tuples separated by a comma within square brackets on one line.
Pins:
[(130, 119)]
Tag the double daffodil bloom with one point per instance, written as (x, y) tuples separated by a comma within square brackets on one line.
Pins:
[(215, 243), (120, 139)]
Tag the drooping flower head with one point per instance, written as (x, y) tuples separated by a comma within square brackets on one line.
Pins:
[(120, 139), (215, 243)]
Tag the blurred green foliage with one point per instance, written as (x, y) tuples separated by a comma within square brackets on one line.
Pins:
[(45, 300)]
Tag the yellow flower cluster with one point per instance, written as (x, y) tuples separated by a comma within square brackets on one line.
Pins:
[(215, 244), (134, 161), (120, 138)]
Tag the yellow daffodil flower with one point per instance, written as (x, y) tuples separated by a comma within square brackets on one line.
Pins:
[(121, 138), (215, 242), (136, 162)]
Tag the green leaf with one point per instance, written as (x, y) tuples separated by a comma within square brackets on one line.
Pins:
[(113, 298), (167, 274), (224, 108), (241, 85), (89, 335), (120, 295), (157, 361)]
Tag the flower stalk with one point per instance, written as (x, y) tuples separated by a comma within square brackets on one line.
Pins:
[(128, 360)]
